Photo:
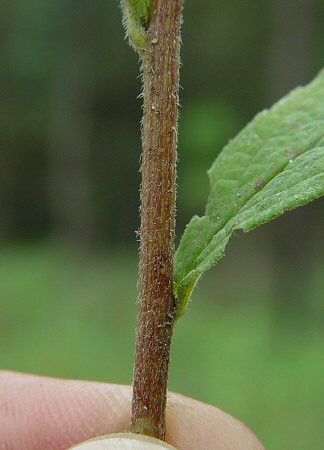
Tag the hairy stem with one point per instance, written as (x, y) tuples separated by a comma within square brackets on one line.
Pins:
[(157, 311)]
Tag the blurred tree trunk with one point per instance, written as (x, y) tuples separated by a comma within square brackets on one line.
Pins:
[(71, 126), (290, 64)]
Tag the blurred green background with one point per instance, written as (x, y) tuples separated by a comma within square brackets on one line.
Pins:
[(252, 340)]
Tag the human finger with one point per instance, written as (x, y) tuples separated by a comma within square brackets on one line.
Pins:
[(39, 413)]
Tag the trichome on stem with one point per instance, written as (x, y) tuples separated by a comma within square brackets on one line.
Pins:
[(154, 30)]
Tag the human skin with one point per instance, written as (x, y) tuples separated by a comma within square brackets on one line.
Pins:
[(39, 413)]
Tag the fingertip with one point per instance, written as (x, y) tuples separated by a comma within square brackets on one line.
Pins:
[(124, 441), (194, 425), (38, 413)]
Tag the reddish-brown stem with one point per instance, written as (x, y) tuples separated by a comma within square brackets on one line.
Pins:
[(157, 311)]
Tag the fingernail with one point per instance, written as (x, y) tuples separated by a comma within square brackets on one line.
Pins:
[(124, 441)]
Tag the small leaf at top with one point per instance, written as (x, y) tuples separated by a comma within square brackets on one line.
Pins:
[(275, 164), (136, 17)]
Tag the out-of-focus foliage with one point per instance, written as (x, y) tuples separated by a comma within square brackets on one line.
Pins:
[(61, 64), (70, 118)]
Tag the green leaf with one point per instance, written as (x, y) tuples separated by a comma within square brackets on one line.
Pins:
[(275, 164), (136, 17)]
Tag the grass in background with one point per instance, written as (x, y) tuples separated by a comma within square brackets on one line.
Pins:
[(70, 317)]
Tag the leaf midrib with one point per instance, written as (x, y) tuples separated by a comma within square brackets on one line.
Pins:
[(217, 231)]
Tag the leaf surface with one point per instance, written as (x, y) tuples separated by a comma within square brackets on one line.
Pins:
[(275, 164)]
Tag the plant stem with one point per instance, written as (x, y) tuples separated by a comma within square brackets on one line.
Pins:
[(161, 62)]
